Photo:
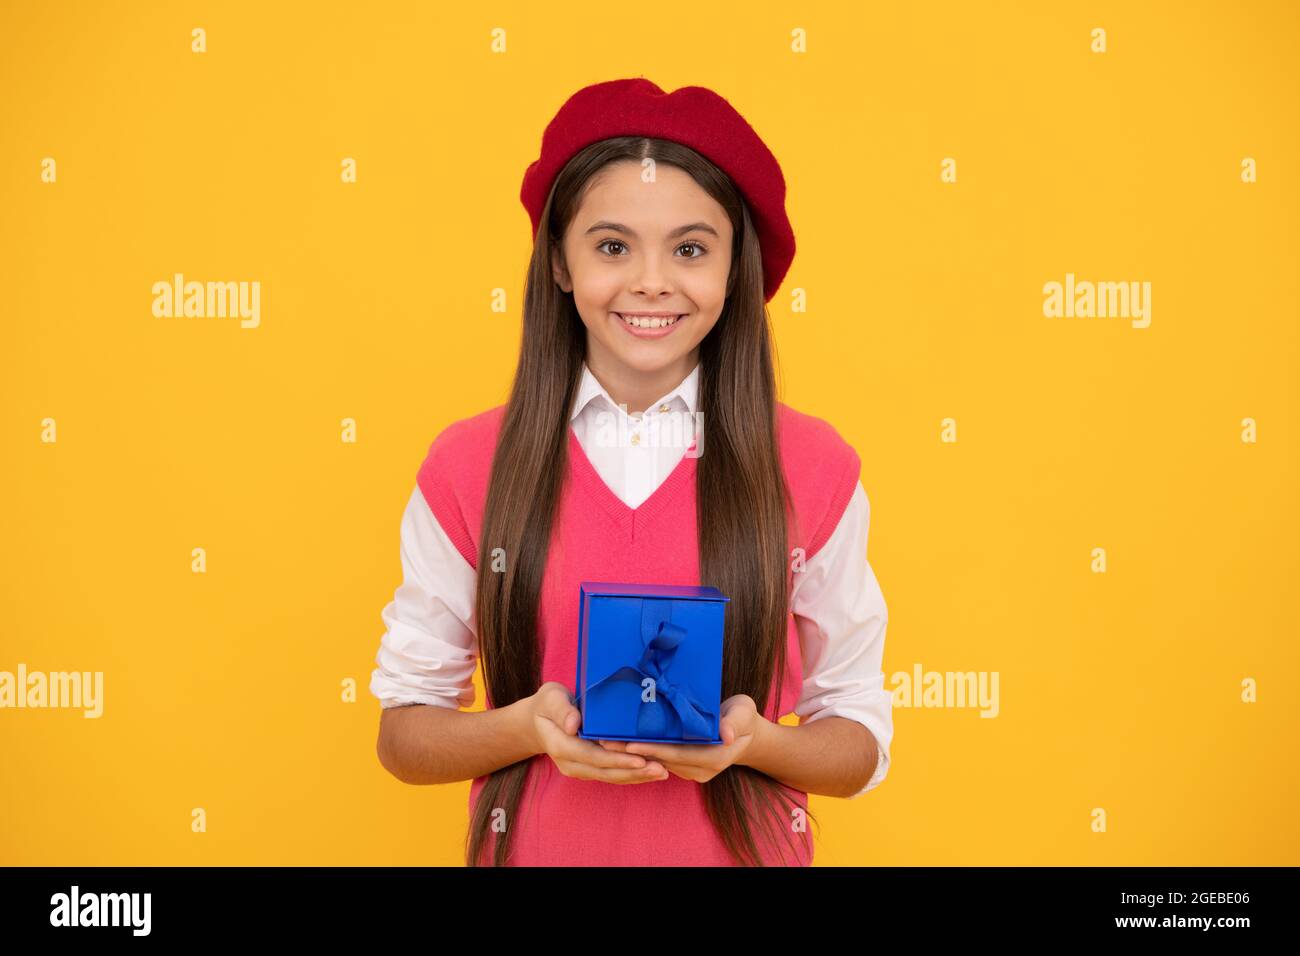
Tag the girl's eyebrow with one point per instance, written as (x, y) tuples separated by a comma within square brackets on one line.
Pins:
[(679, 231)]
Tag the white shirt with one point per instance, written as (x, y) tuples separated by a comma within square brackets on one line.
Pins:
[(429, 652)]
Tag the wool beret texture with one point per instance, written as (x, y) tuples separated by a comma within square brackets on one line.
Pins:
[(692, 116)]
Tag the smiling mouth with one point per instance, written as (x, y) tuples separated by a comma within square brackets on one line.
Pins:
[(649, 322)]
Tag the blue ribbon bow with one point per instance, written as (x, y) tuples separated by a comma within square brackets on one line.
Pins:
[(661, 638)]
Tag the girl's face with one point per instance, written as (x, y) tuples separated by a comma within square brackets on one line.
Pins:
[(646, 247)]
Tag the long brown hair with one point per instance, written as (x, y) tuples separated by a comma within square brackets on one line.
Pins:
[(742, 502)]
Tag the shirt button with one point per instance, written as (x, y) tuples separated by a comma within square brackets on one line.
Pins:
[(663, 408), (636, 438)]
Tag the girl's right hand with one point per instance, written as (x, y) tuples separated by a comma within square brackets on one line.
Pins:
[(554, 722)]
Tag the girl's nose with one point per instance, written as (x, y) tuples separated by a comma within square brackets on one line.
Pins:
[(652, 279)]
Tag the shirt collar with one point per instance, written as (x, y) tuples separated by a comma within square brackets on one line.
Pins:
[(590, 388)]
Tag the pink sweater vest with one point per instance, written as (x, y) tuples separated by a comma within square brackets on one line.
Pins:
[(563, 821)]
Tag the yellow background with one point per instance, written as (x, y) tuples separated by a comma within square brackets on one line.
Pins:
[(222, 690)]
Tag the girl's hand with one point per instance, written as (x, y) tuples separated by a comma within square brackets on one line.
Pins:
[(553, 724), (739, 725)]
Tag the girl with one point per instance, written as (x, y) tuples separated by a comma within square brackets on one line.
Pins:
[(660, 234)]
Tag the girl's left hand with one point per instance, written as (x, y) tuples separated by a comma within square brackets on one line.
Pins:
[(738, 725)]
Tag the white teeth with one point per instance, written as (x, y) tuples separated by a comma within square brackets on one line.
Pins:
[(646, 322)]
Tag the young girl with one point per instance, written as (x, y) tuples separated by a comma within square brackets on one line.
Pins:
[(660, 234)]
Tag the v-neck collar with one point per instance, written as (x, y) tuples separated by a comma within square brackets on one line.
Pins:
[(623, 516)]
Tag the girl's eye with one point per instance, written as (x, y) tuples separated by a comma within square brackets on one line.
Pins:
[(700, 250)]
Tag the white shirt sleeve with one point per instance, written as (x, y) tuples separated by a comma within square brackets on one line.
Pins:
[(429, 652), (841, 616)]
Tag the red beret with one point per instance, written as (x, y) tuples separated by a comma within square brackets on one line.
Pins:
[(693, 116)]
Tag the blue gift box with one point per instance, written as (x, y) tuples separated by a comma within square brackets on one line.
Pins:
[(650, 662)]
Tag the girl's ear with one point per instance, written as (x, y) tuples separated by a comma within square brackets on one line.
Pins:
[(560, 271)]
